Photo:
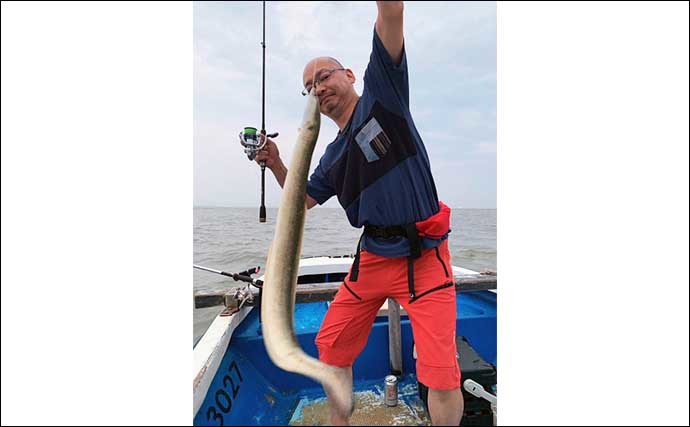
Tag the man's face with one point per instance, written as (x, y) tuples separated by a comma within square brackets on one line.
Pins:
[(332, 83)]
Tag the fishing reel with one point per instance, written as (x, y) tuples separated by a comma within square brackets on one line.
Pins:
[(251, 141)]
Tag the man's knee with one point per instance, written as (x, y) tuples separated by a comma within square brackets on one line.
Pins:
[(446, 394), (445, 397)]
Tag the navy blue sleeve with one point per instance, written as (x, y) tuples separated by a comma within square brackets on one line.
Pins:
[(318, 186), (386, 81)]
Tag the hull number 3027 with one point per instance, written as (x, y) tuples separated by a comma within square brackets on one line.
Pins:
[(223, 399)]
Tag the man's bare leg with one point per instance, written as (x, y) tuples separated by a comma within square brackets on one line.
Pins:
[(340, 416), (446, 407)]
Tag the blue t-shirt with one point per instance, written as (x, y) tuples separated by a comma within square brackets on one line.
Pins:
[(378, 166)]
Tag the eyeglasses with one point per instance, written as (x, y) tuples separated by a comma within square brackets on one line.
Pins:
[(321, 77)]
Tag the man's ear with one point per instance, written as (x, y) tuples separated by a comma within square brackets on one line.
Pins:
[(350, 76)]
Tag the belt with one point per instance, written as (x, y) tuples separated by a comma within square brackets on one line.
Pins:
[(409, 232)]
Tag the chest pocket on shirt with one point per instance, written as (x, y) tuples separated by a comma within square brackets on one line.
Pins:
[(375, 148), (373, 141)]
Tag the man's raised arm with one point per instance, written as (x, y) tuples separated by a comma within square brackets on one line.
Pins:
[(389, 26)]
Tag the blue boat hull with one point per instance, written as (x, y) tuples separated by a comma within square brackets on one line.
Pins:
[(248, 389)]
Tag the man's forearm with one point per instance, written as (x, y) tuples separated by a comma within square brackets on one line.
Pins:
[(389, 27), (390, 7), (280, 172)]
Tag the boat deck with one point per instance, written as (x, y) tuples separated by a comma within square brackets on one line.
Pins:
[(370, 409)]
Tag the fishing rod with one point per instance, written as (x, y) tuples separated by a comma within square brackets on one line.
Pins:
[(249, 139), (244, 276)]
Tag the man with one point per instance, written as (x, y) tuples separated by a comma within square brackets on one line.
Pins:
[(379, 169)]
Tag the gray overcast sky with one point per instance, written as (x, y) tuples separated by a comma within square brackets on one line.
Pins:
[(451, 53)]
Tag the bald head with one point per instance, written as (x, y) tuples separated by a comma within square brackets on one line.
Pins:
[(322, 62), (334, 88)]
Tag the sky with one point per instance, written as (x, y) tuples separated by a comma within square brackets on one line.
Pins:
[(451, 56)]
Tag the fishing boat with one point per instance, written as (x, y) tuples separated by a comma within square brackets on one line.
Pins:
[(235, 382)]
